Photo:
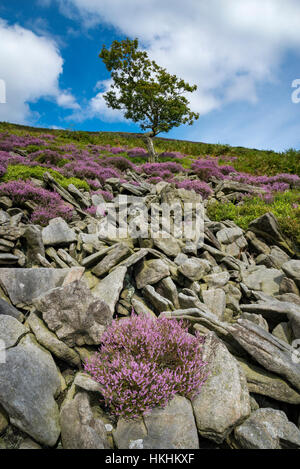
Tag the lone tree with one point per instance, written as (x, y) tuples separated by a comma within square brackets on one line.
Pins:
[(146, 92)]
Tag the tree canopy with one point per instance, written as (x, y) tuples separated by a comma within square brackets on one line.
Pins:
[(144, 91)]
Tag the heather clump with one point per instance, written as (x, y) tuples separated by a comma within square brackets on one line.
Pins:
[(48, 204), (200, 187), (143, 362), (157, 169)]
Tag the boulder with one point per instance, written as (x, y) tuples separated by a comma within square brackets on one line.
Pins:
[(11, 330), (9, 310), (74, 314), (194, 269), (79, 428), (262, 279), (215, 299), (116, 255), (24, 285), (270, 352), (172, 427), (292, 270), (224, 400), (34, 245), (29, 381), (109, 289), (58, 233), (150, 272), (268, 429)]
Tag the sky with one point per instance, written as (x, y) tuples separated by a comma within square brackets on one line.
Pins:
[(243, 55)]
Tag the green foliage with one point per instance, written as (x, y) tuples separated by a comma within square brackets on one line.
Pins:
[(146, 93), (15, 172), (285, 207)]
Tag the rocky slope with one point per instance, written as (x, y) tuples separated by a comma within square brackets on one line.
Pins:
[(62, 284)]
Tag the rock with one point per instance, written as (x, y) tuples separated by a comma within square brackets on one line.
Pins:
[(215, 299), (263, 279), (267, 350), (167, 288), (217, 280), (256, 319), (27, 394), (292, 270), (116, 255), (275, 259), (267, 227), (24, 285), (150, 272), (50, 341), (159, 302), (231, 240), (85, 382), (4, 421), (276, 311), (141, 308), (79, 428), (35, 247), (58, 233), (268, 384), (29, 444), (284, 332), (108, 290), (172, 427), (168, 245), (134, 258), (224, 400), (194, 269), (8, 310), (11, 330), (7, 259), (74, 314), (268, 429), (288, 286)]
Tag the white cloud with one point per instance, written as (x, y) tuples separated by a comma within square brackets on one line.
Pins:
[(30, 65), (226, 47)]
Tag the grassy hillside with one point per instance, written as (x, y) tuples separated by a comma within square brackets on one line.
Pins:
[(88, 159)]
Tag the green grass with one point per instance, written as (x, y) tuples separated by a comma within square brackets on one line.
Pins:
[(15, 172), (285, 207)]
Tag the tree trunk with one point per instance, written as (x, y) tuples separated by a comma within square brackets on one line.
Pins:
[(150, 147)]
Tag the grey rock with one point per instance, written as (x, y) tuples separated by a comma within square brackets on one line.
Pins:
[(292, 270), (11, 330), (194, 269), (109, 289), (283, 331), (79, 427), (256, 319), (168, 245), (224, 400), (27, 394), (116, 255), (276, 312), (50, 341), (172, 427), (9, 310), (215, 299), (29, 444), (159, 302), (34, 244), (217, 280), (263, 279), (268, 429), (268, 384), (270, 352), (23, 285), (167, 288), (85, 382), (151, 272), (74, 314), (58, 233), (7, 259)]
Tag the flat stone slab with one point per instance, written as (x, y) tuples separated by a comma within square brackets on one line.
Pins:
[(24, 285), (57, 233)]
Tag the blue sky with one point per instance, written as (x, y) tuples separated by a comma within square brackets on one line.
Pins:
[(242, 54)]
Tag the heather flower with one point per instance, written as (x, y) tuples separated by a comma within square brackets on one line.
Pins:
[(198, 186), (143, 362)]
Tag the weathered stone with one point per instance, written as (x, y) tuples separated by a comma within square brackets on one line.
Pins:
[(27, 394), (140, 307), (116, 255), (172, 427), (267, 429), (7, 259), (159, 302), (29, 444), (50, 341), (108, 290), (34, 244), (277, 311), (74, 314), (85, 382), (283, 331), (263, 279), (267, 350), (292, 270), (215, 299), (168, 245), (58, 233), (268, 384), (194, 269), (11, 330), (79, 428), (224, 400), (256, 319), (167, 288), (150, 272), (23, 285), (217, 280), (4, 421), (9, 310)]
